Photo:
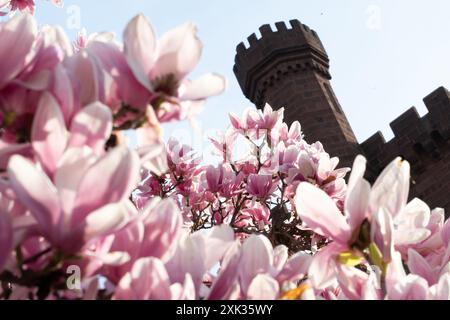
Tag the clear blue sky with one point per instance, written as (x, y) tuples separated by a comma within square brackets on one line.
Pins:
[(385, 55)]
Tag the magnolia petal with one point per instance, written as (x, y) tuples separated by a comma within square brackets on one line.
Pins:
[(445, 233), (263, 287), (257, 257), (356, 203), (115, 258), (154, 158), (105, 220), (179, 52), (208, 85), (416, 214), (214, 245), (91, 127), (129, 89), (441, 290), (15, 55), (419, 266), (395, 272), (352, 282), (112, 177), (87, 78), (63, 91), (404, 237), (71, 169), (162, 227), (412, 287), (358, 170), (185, 291), (49, 133), (319, 212), (35, 191), (295, 268), (139, 48), (147, 280), (280, 256), (391, 188), (222, 287), (321, 272), (381, 233), (8, 150)]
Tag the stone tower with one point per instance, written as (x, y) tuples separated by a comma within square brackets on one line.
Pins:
[(288, 67)]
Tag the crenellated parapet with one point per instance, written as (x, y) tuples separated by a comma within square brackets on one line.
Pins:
[(420, 140), (275, 55)]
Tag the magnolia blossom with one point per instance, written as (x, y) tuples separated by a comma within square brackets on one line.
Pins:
[(260, 185), (162, 65), (66, 211), (23, 5), (350, 233)]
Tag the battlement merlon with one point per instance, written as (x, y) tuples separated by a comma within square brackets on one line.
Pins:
[(407, 123), (438, 99)]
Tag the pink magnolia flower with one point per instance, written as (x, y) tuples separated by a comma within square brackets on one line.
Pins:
[(162, 66), (320, 214), (255, 119), (268, 119), (257, 215), (182, 159), (66, 210), (261, 186), (222, 180), (21, 5), (290, 136), (283, 159), (224, 144), (247, 122)]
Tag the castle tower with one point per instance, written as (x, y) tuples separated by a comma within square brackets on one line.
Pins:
[(289, 67)]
